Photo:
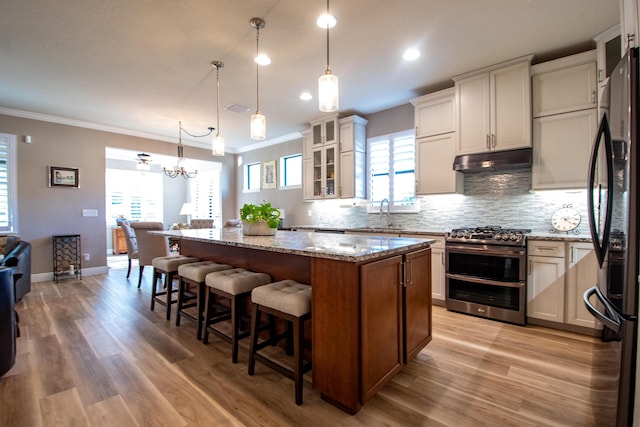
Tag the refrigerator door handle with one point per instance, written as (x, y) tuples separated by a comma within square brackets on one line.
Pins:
[(600, 249), (610, 318)]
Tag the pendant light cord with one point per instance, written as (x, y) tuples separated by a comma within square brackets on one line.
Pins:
[(328, 69), (257, 71), (218, 100)]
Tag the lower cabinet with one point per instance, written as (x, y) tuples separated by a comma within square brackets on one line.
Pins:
[(395, 315), (381, 323), (582, 274), (558, 275), (437, 266), (416, 303)]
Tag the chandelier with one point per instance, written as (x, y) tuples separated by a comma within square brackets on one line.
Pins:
[(181, 168)]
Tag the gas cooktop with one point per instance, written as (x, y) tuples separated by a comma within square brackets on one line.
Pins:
[(488, 235)]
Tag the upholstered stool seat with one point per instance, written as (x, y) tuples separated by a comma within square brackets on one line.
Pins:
[(291, 301), (234, 285), (191, 289), (167, 265)]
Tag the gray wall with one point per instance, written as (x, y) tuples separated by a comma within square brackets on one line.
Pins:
[(44, 211), (290, 200)]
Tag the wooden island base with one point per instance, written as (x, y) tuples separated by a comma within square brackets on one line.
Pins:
[(368, 318)]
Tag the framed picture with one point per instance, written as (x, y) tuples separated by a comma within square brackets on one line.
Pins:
[(63, 177), (269, 174)]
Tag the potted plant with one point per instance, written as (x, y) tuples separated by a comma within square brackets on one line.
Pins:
[(259, 220)]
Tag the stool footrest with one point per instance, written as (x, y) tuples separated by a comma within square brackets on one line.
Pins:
[(282, 369)]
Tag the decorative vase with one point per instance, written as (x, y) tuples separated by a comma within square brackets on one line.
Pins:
[(260, 228)]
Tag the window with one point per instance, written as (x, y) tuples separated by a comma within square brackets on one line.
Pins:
[(136, 196), (252, 177), (8, 202), (205, 194), (392, 172), (291, 171)]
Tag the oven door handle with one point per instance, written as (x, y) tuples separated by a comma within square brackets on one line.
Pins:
[(485, 250), (480, 280), (610, 317)]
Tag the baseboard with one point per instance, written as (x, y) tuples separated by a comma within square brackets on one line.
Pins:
[(92, 271)]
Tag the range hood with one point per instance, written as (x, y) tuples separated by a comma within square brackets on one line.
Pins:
[(493, 160)]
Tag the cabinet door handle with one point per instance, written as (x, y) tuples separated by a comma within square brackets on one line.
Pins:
[(402, 270), (529, 266), (410, 272), (546, 248), (573, 255), (599, 75), (442, 258), (593, 97), (493, 140), (417, 133), (488, 142)]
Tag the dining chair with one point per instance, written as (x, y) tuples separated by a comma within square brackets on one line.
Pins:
[(132, 243), (150, 246)]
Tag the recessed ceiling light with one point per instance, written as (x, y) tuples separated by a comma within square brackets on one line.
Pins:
[(326, 20), (263, 59), (411, 54), (306, 96)]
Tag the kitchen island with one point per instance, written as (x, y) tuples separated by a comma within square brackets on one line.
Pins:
[(371, 299)]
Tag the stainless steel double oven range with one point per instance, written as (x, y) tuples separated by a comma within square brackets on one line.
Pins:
[(486, 272)]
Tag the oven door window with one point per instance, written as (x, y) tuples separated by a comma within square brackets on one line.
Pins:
[(491, 267)]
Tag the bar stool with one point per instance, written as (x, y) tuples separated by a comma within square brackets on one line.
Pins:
[(191, 289), (235, 285), (167, 265), (291, 301)]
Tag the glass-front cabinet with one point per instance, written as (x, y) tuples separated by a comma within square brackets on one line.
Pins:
[(324, 131), (324, 172)]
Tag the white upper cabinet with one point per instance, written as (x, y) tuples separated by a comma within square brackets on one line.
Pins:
[(566, 121), (353, 142), (435, 113), (334, 158), (564, 85), (434, 165), (562, 149), (630, 19), (434, 117), (493, 108), (324, 131), (608, 52), (306, 144)]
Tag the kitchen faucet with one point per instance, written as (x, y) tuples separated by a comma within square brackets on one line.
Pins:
[(388, 209)]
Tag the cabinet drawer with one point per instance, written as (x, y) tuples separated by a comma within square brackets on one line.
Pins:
[(546, 248)]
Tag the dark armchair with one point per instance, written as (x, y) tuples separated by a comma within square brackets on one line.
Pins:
[(18, 257)]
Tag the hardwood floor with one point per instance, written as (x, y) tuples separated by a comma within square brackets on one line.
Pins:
[(93, 354)]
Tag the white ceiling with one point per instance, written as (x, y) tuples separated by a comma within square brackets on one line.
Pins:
[(141, 66)]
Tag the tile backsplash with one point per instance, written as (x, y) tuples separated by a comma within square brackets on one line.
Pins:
[(490, 198)]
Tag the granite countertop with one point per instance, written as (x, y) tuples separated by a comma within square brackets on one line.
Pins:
[(342, 247), (535, 235), (381, 230), (561, 237)]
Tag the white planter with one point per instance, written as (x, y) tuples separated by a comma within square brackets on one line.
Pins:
[(260, 228)]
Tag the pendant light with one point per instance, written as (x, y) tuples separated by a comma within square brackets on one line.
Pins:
[(217, 145), (258, 121), (328, 83)]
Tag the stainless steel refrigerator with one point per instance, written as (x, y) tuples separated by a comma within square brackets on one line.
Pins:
[(613, 192)]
